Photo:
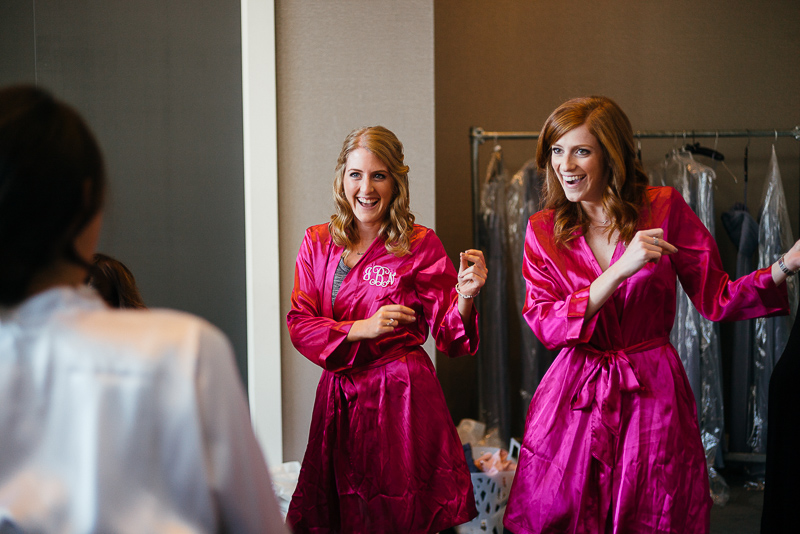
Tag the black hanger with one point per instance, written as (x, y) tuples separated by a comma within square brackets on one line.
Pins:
[(746, 148), (704, 151)]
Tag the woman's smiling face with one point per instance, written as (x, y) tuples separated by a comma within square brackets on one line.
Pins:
[(578, 161), (368, 186)]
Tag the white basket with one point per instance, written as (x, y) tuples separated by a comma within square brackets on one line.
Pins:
[(491, 497), (284, 482)]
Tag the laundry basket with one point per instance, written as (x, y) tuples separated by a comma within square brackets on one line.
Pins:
[(284, 482), (491, 496)]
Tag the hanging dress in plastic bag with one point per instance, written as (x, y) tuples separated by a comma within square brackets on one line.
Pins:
[(523, 195), (697, 338), (493, 378), (742, 228), (771, 335), (685, 335)]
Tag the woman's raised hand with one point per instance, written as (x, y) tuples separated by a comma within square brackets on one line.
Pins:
[(383, 321), (791, 261), (645, 247), (471, 277), (792, 257)]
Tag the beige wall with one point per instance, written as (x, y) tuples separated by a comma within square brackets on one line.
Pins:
[(506, 64), (341, 65)]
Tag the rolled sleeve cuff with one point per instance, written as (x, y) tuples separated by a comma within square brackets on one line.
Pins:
[(459, 337), (339, 354), (579, 330), (774, 298)]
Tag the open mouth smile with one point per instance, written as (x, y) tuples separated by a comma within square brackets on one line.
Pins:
[(573, 180), (367, 202)]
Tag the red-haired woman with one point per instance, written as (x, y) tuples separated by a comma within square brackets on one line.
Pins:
[(611, 438)]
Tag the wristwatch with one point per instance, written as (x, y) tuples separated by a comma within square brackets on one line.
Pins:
[(783, 266)]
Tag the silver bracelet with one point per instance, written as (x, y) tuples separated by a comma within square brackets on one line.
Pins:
[(783, 266), (460, 294)]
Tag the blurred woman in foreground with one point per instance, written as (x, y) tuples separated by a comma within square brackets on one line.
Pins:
[(110, 420)]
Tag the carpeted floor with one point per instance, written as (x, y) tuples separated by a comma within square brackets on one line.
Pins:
[(742, 514)]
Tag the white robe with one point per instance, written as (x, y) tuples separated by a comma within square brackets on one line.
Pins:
[(124, 421)]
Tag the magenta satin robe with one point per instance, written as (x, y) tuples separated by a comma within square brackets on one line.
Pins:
[(611, 437), (383, 454)]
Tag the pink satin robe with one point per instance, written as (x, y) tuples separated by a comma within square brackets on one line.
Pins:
[(611, 437), (383, 454)]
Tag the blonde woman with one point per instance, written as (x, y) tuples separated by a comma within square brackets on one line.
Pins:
[(383, 454)]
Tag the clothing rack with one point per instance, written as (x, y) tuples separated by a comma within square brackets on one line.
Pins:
[(478, 136)]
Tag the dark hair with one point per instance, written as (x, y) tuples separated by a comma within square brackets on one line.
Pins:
[(52, 182), (114, 282), (625, 194)]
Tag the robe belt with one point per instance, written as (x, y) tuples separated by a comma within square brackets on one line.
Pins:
[(605, 376), (387, 357)]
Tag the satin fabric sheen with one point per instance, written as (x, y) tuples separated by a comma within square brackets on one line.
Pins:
[(611, 437), (383, 454), (124, 421)]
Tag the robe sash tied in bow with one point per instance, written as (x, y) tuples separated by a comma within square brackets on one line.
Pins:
[(606, 375)]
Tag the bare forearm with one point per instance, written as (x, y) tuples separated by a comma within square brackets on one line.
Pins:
[(465, 308), (383, 321), (356, 332), (601, 290), (791, 261)]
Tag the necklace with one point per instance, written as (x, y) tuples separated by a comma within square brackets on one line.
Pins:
[(357, 253), (603, 224), (359, 245)]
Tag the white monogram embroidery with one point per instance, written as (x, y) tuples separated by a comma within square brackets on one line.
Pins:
[(379, 276)]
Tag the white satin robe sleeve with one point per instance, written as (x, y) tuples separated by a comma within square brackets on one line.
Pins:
[(238, 476)]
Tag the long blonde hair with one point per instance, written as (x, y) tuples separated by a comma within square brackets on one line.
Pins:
[(398, 224), (625, 195)]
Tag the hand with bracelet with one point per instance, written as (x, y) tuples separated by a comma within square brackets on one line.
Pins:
[(470, 279), (787, 265)]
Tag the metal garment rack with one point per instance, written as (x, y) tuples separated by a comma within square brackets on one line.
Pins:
[(478, 136)]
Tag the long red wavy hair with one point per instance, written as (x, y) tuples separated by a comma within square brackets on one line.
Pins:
[(625, 196)]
